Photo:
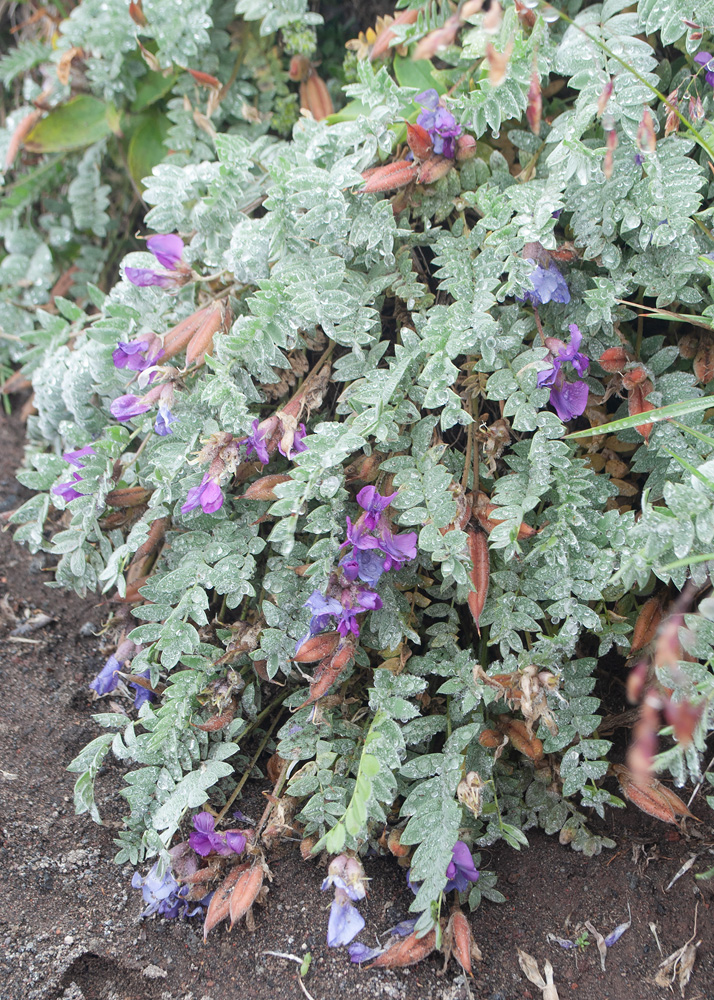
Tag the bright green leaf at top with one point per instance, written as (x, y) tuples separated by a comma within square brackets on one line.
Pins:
[(80, 122), (418, 73)]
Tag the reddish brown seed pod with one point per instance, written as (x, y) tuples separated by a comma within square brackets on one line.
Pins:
[(647, 623), (613, 359), (394, 844), (635, 376), (176, 339), (219, 907), (517, 732), (315, 97), (263, 488), (217, 722), (130, 496), (490, 738), (434, 169), (651, 796), (205, 79), (389, 177), (245, 892), (636, 403), (202, 340), (464, 948), (419, 141), (300, 69), (703, 363), (317, 647), (328, 670), (381, 46), (480, 574), (406, 952), (466, 148)]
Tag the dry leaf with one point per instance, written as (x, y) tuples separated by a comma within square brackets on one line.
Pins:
[(600, 942), (530, 969)]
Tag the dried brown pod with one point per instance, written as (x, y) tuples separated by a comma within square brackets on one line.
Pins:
[(459, 942), (419, 141), (217, 316), (389, 177), (130, 496), (220, 905), (315, 97), (490, 738), (317, 647), (263, 488), (647, 623), (614, 359), (217, 722), (636, 404), (434, 169), (245, 892), (329, 670), (517, 732), (703, 363), (395, 846), (651, 796), (405, 952), (176, 339), (480, 573), (384, 39)]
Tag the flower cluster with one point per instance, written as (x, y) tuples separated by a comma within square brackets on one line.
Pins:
[(346, 874), (67, 490), (263, 438), (375, 550), (568, 398), (204, 840), (163, 895), (168, 251), (128, 406), (438, 122)]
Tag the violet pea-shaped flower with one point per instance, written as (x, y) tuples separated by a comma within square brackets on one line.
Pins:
[(142, 694), (208, 494), (73, 456), (345, 921), (133, 356), (164, 419), (549, 285), (168, 250), (67, 490), (568, 398), (128, 406), (106, 680), (706, 60), (439, 122), (323, 608), (398, 549), (373, 503), (461, 869), (354, 604)]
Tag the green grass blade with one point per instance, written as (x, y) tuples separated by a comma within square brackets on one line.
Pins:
[(651, 417), (690, 468), (694, 433)]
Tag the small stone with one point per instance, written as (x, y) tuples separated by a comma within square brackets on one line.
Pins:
[(87, 630), (154, 972), (69, 939)]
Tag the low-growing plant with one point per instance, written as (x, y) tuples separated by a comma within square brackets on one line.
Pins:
[(414, 390)]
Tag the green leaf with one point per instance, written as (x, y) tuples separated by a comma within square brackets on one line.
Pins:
[(651, 417), (80, 122), (146, 146), (417, 73), (151, 88)]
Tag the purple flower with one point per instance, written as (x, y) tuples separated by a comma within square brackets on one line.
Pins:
[(323, 608), (367, 564), (106, 680), (439, 123), (66, 490), (706, 60), (354, 604), (461, 869), (72, 456), (568, 398), (373, 503), (548, 286), (142, 694), (345, 921), (163, 895), (256, 442), (208, 494), (130, 354), (168, 249), (398, 549), (404, 927), (359, 952), (357, 534), (126, 407), (204, 840), (615, 935), (164, 419)]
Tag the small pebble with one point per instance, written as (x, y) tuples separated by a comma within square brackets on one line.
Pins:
[(69, 939)]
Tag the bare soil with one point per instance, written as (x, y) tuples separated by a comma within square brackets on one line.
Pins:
[(69, 920)]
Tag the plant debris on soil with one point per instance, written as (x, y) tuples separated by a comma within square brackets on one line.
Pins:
[(70, 923)]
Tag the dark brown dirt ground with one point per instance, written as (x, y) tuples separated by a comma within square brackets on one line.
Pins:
[(69, 921)]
